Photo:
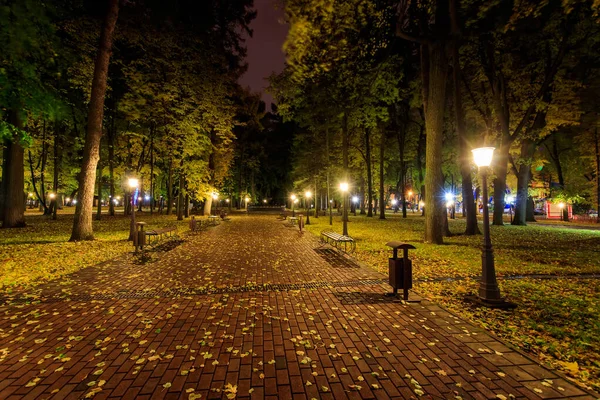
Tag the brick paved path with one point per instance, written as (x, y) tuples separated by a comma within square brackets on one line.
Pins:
[(230, 313)]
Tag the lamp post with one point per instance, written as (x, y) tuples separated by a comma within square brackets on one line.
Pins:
[(394, 202), (247, 200), (489, 292), (355, 201), (293, 197), (133, 183), (344, 190), (308, 195)]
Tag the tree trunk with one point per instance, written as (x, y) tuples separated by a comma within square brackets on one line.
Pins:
[(523, 177), (597, 148), (501, 170), (180, 200), (369, 173), (186, 209), (208, 206), (14, 179), (434, 124), (463, 146), (381, 175), (57, 163), (111, 170), (345, 144), (99, 205), (82, 223), (170, 188), (152, 170), (530, 215), (362, 195)]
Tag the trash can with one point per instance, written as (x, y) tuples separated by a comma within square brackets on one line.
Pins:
[(400, 269), (140, 236)]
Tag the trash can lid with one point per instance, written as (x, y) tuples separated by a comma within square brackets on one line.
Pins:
[(140, 223), (400, 245)]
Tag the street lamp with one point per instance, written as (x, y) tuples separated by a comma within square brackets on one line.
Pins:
[(561, 205), (247, 200), (489, 292), (355, 201), (307, 195), (293, 197), (133, 184), (265, 201), (394, 202), (344, 190)]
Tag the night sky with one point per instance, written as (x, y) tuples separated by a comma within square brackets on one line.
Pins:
[(265, 54)]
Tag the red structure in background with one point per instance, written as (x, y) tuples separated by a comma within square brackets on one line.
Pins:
[(555, 211)]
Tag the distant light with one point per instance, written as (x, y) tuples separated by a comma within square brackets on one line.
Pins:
[(293, 197), (133, 182), (265, 201), (561, 205), (394, 201), (30, 194), (296, 200), (344, 187), (449, 196), (215, 196), (331, 201), (114, 201), (147, 197), (247, 199), (307, 194), (226, 200), (510, 199), (355, 199), (140, 198), (67, 199), (74, 201), (119, 197), (422, 203), (410, 193), (52, 196), (449, 204)]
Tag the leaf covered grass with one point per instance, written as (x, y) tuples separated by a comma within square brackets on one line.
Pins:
[(41, 252), (557, 319)]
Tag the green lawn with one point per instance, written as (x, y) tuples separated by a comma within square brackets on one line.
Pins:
[(557, 319), (41, 252)]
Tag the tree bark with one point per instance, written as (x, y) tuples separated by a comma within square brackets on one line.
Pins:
[(523, 177), (170, 187), (369, 173), (57, 163), (82, 223), (381, 175), (14, 179), (464, 153), (597, 148), (434, 125)]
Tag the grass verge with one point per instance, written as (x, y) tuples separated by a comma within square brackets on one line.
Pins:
[(556, 319)]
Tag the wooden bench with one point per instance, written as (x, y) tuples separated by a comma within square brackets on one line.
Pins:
[(282, 216), (293, 221), (156, 236), (336, 240)]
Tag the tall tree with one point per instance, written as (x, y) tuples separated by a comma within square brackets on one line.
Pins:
[(82, 223)]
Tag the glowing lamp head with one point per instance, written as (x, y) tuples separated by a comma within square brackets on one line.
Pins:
[(30, 194), (215, 196), (67, 199), (307, 194), (449, 197), (483, 156), (344, 187), (331, 201), (422, 203), (265, 201), (139, 198), (147, 197), (561, 205), (132, 182), (52, 196), (74, 201), (295, 201), (226, 200), (355, 199), (394, 202), (293, 197), (247, 199)]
